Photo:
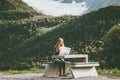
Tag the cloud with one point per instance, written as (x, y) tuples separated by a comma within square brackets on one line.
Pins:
[(55, 8), (59, 8)]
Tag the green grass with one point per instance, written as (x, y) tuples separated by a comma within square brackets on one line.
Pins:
[(111, 73), (13, 72)]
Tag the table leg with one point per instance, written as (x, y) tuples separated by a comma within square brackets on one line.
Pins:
[(78, 72)]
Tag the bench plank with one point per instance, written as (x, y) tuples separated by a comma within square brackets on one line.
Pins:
[(53, 62), (89, 64)]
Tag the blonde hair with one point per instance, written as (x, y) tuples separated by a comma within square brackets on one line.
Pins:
[(59, 44), (60, 39)]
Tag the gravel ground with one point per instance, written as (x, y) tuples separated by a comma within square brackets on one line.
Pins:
[(33, 76)]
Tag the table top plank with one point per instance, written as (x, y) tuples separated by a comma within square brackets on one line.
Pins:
[(71, 56)]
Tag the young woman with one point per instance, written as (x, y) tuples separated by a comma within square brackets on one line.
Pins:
[(59, 61)]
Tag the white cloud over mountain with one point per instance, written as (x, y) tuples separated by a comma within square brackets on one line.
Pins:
[(69, 7)]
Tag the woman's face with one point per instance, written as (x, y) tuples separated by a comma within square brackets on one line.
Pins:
[(61, 41)]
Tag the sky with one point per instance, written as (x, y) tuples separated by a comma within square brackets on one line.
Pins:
[(56, 8)]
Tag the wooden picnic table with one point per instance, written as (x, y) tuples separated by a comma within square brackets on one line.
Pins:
[(79, 67)]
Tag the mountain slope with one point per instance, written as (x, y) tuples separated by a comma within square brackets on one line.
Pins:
[(15, 9), (14, 5), (85, 28), (79, 33), (27, 37)]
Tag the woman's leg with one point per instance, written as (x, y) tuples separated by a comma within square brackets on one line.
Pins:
[(59, 62), (63, 66)]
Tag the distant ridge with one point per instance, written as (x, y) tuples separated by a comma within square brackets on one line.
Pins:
[(18, 5), (16, 9)]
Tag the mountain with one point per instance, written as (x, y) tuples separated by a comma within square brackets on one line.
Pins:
[(28, 41), (69, 7), (27, 38)]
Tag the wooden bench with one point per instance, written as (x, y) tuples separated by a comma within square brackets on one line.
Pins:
[(84, 69), (52, 69)]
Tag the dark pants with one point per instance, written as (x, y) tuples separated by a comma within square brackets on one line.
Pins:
[(61, 64)]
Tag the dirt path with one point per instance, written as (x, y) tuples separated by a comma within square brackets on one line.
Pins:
[(33, 76)]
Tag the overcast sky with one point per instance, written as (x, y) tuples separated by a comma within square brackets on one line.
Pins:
[(56, 8)]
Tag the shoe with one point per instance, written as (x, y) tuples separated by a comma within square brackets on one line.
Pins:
[(60, 74), (64, 74)]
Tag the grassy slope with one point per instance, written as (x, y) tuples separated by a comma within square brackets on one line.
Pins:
[(86, 28), (82, 29)]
